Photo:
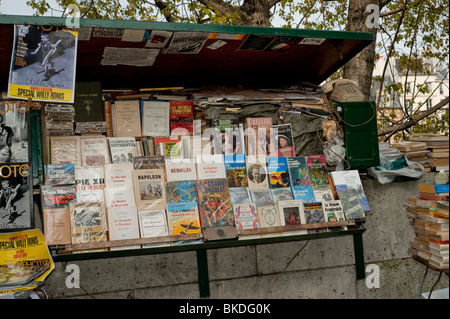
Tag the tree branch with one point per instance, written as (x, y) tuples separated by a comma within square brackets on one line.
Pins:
[(413, 121), (161, 6)]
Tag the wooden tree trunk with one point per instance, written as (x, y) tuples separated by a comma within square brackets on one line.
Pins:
[(360, 68)]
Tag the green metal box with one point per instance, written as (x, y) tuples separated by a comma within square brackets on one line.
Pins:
[(360, 134)]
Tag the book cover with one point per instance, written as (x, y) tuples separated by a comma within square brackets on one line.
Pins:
[(122, 149), (298, 171), (246, 216), (150, 162), (278, 171), (314, 214), (89, 183), (305, 193), (283, 140), (155, 118), (127, 118), (235, 170), (159, 143), (180, 171), (240, 195), (181, 128), (88, 223), (333, 212), (183, 218), (149, 190), (351, 203), (181, 192), (434, 189), (119, 196), (269, 216), (16, 197), (171, 149), (94, 151), (123, 224), (292, 213), (262, 197), (88, 102), (59, 174), (257, 172), (283, 193), (55, 201), (15, 130), (120, 174), (259, 137), (153, 223), (65, 150), (350, 179), (210, 167), (214, 203), (183, 109), (319, 178), (228, 136)]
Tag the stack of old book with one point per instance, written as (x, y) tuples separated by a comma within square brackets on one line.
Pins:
[(438, 146), (429, 212), (415, 151)]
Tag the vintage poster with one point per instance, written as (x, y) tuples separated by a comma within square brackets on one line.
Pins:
[(16, 199), (187, 42), (25, 260), (43, 63)]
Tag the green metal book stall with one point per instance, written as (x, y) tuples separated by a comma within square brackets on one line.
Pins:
[(221, 56)]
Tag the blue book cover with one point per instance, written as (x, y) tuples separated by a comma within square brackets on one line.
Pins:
[(305, 193), (298, 171), (235, 170), (240, 195), (361, 195), (181, 192), (278, 171), (59, 174)]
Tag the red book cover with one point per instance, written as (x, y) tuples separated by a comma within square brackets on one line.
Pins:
[(181, 109)]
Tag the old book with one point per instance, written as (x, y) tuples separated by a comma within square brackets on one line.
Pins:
[(318, 177), (182, 109), (180, 171), (283, 140), (150, 162), (298, 171), (259, 137), (240, 195), (246, 216), (88, 102), (89, 183), (257, 172), (334, 212), (435, 189), (292, 213), (88, 223), (278, 171), (59, 174), (155, 118), (149, 190), (55, 201), (123, 224), (117, 175), (228, 136), (122, 149), (351, 203), (153, 223), (127, 117), (314, 214), (283, 193), (171, 149), (215, 209), (269, 216), (108, 118), (181, 192), (65, 150), (235, 170), (350, 179), (305, 193), (262, 197), (119, 196), (210, 167), (94, 151), (16, 197)]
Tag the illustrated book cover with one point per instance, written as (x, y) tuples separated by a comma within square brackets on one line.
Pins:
[(298, 171), (153, 223), (314, 214), (305, 193), (259, 137), (292, 213), (257, 172), (262, 197), (350, 179), (235, 170), (94, 151), (122, 149), (89, 183), (65, 150), (246, 216), (239, 195), (333, 212), (283, 193), (149, 190), (283, 140), (59, 174), (318, 177), (351, 203), (278, 171)]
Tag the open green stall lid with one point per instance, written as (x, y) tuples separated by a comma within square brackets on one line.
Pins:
[(248, 56)]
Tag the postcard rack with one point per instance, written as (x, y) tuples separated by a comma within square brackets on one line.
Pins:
[(202, 248)]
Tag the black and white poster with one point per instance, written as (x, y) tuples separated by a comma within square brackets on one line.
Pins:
[(43, 63)]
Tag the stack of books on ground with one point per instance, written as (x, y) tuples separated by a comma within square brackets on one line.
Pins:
[(415, 151), (438, 146), (429, 212)]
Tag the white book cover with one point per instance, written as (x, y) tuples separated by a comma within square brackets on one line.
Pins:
[(127, 114), (123, 224), (120, 174), (180, 170), (211, 167), (292, 213), (153, 224), (155, 118), (119, 196), (350, 179), (257, 172), (89, 184), (122, 149), (94, 151)]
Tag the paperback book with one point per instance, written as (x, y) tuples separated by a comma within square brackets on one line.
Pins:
[(240, 195), (235, 170), (283, 140), (350, 179), (155, 118), (292, 213), (126, 118), (123, 224), (305, 193), (117, 175), (153, 223), (65, 150), (149, 189), (277, 168), (314, 214), (298, 171), (257, 172), (246, 216), (333, 212), (283, 193), (180, 171), (89, 183), (59, 174), (262, 197), (259, 139), (210, 167), (351, 203), (94, 151), (122, 149), (181, 192)]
